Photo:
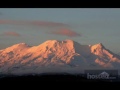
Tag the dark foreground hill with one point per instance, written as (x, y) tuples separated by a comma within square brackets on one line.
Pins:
[(51, 78)]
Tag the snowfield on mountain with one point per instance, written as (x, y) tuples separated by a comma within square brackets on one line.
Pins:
[(56, 56)]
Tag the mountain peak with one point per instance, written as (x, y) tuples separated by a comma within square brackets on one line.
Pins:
[(20, 45), (49, 41), (70, 41), (99, 45), (60, 55), (60, 41)]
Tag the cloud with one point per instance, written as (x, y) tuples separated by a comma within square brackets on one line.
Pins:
[(34, 23), (66, 32), (11, 34)]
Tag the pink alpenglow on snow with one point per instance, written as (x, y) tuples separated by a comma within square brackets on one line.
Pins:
[(56, 56)]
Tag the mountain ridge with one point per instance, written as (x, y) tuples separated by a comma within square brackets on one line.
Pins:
[(56, 56)]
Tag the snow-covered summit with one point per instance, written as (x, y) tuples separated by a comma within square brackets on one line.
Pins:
[(59, 55)]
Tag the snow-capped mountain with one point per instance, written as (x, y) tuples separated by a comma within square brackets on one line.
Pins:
[(56, 56)]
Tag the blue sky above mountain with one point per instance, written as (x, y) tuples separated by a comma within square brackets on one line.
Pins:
[(34, 26)]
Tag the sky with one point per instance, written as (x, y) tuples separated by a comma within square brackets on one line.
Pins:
[(87, 26)]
